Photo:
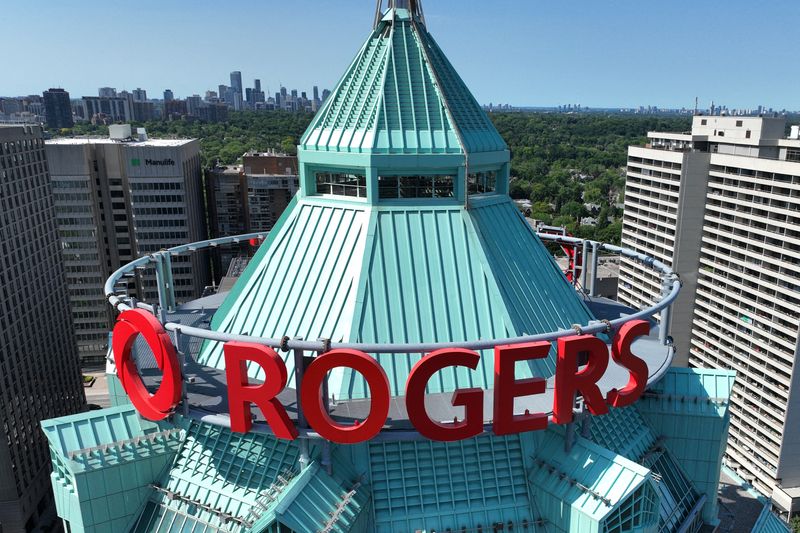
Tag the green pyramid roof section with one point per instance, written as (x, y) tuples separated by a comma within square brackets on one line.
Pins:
[(401, 274), (402, 96), (768, 522), (302, 282), (219, 480), (583, 488), (433, 486)]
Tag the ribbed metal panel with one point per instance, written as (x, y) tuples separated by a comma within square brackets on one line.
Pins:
[(306, 286), (577, 489), (394, 96), (433, 486)]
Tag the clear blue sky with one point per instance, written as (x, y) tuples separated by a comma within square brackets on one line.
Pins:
[(523, 52)]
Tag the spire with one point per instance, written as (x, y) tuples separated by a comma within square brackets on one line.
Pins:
[(412, 6)]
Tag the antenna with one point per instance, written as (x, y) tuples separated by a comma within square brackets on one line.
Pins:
[(696, 104)]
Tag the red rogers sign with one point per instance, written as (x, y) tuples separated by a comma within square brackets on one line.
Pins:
[(570, 379)]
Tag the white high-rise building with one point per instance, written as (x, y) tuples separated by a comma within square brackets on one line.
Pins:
[(118, 200), (722, 206), (39, 372)]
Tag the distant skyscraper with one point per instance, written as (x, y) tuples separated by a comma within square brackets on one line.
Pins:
[(168, 95), (316, 92), (58, 108), (257, 85), (236, 81), (325, 94), (117, 201), (721, 206), (40, 371), (139, 95), (115, 109), (107, 92)]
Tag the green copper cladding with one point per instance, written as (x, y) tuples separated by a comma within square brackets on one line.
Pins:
[(394, 99)]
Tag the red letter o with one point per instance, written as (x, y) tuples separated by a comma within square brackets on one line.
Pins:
[(314, 408), (160, 405)]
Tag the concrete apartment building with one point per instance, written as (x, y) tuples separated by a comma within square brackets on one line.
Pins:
[(722, 205), (249, 197), (39, 371), (118, 199)]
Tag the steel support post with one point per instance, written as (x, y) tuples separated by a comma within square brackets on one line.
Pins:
[(584, 254), (162, 296), (170, 282), (595, 262), (299, 367)]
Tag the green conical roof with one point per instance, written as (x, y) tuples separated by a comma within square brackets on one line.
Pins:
[(401, 95)]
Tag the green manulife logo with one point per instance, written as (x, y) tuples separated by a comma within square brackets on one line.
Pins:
[(136, 162)]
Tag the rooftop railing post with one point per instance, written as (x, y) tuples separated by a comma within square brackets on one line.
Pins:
[(595, 262), (664, 323), (162, 296), (584, 255), (299, 367), (184, 378), (326, 401), (170, 282)]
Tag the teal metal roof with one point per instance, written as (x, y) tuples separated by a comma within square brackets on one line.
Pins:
[(395, 98), (316, 500), (302, 282), (692, 391), (426, 486), (108, 437), (581, 486), (770, 523), (218, 478)]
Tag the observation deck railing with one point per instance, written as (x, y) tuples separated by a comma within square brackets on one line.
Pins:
[(585, 278), (161, 260)]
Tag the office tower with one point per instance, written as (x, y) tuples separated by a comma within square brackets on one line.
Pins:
[(139, 95), (211, 96), (316, 92), (107, 92), (40, 376), (107, 109), (168, 95), (249, 198), (238, 102), (193, 105), (118, 199), (325, 94), (257, 85), (58, 108), (738, 224), (236, 81), (248, 97)]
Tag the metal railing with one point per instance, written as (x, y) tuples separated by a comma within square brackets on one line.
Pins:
[(671, 285)]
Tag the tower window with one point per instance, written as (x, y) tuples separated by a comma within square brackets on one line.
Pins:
[(482, 182), (353, 185), (393, 187)]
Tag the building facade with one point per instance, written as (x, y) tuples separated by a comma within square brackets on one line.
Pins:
[(107, 109), (39, 369), (249, 198), (721, 203), (116, 201), (58, 109)]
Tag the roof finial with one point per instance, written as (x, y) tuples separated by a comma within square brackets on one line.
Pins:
[(413, 6)]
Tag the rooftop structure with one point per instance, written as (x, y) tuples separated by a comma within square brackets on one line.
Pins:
[(401, 240)]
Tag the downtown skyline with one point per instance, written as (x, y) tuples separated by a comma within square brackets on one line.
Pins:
[(527, 55)]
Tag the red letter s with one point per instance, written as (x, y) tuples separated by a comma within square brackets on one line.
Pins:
[(621, 352)]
